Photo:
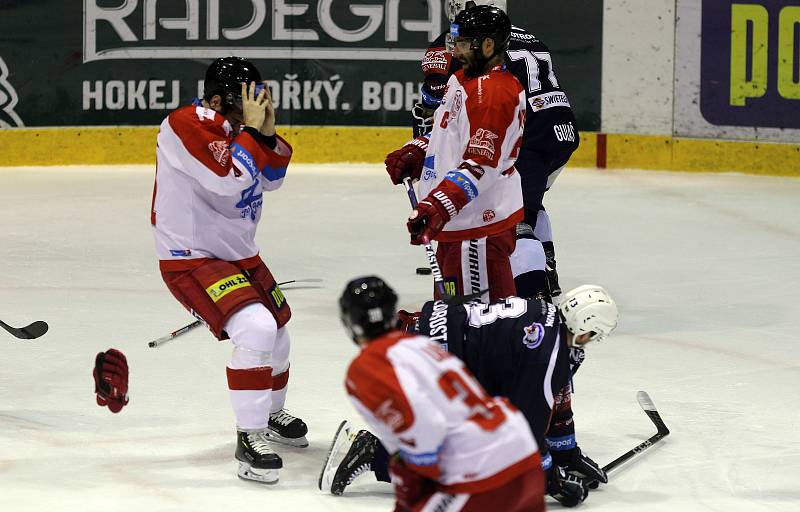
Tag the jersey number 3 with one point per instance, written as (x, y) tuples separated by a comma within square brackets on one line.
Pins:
[(486, 413)]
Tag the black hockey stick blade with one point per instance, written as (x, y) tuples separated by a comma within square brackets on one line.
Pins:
[(662, 431), (29, 332)]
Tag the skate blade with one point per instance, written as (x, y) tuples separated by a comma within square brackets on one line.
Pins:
[(341, 439), (264, 476), (297, 442)]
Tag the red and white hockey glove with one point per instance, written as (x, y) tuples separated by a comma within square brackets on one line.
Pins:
[(432, 213), (407, 161), (111, 379), (410, 488)]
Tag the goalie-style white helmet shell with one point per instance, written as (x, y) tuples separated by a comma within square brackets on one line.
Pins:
[(453, 7), (589, 308)]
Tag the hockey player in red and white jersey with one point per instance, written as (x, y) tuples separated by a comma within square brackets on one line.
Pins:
[(549, 139), (455, 448), (472, 195), (215, 159)]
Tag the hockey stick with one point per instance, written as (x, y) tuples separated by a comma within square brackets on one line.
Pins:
[(662, 431), (438, 280), (186, 328), (29, 332)]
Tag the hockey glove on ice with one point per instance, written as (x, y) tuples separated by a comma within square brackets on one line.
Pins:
[(111, 379), (567, 489), (578, 463), (432, 213), (407, 161), (409, 487)]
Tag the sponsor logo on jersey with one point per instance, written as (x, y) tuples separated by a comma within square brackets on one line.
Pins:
[(219, 148), (464, 183), (435, 60), (534, 334), (561, 443), (180, 253), (245, 158), (437, 323), (488, 215), (564, 132), (549, 100), (251, 202), (390, 415), (458, 102), (226, 285), (277, 297), (482, 144), (551, 315)]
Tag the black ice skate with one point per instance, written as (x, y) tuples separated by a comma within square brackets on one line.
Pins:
[(287, 429), (256, 460), (357, 461)]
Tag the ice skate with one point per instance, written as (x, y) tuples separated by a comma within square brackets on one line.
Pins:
[(256, 459), (339, 446), (287, 429), (357, 461)]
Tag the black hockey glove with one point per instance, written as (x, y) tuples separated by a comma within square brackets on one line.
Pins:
[(422, 119), (567, 489), (576, 462)]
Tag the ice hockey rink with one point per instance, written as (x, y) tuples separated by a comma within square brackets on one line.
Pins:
[(705, 268)]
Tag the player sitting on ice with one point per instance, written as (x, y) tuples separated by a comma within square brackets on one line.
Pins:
[(454, 447), (523, 349)]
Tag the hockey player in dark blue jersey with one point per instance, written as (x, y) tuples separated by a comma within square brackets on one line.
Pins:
[(549, 139), (524, 349)]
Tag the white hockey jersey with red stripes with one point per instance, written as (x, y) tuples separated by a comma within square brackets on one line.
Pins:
[(480, 124), (209, 188), (421, 401)]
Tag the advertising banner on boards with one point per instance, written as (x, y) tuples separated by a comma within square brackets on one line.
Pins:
[(328, 62), (738, 69)]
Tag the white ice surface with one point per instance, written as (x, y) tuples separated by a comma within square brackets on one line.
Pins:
[(705, 268)]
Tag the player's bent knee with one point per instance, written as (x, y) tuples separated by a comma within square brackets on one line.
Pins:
[(253, 328)]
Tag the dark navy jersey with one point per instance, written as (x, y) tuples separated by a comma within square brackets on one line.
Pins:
[(513, 348), (550, 125)]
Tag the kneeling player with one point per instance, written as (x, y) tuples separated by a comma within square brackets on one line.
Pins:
[(455, 448), (524, 349)]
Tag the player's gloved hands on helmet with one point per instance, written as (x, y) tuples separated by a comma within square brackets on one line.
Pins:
[(567, 489), (111, 379), (407, 322), (575, 461), (407, 161), (409, 486), (254, 105), (432, 213)]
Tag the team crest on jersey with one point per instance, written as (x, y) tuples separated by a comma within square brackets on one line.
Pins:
[(482, 143), (435, 60), (219, 148), (488, 215), (534, 334)]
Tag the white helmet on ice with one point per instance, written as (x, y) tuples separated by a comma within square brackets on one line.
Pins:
[(453, 7), (589, 308)]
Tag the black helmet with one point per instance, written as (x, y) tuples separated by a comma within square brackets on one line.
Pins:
[(367, 307), (224, 77), (481, 22)]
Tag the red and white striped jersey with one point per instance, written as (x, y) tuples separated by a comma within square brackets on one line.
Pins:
[(209, 188), (477, 133), (421, 401)]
